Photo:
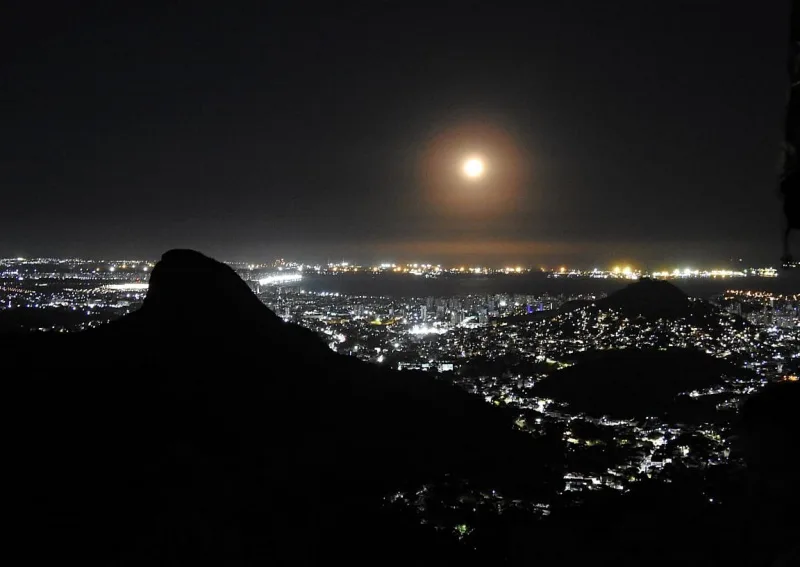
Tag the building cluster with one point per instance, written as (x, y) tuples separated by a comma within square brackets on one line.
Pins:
[(71, 294), (500, 346), (763, 308)]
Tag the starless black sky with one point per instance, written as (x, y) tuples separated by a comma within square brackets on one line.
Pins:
[(647, 131)]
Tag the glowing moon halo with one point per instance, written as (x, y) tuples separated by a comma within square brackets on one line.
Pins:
[(473, 167)]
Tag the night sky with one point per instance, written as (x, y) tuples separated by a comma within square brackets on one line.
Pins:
[(624, 130)]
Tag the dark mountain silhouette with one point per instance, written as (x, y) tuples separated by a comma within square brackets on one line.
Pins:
[(202, 428), (768, 438), (649, 298), (646, 297), (633, 383)]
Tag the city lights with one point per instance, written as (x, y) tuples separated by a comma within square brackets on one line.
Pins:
[(280, 278), (133, 286), (454, 335), (426, 330)]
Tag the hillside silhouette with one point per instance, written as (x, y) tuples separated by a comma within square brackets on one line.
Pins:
[(203, 428), (649, 298), (633, 383), (645, 298), (768, 436)]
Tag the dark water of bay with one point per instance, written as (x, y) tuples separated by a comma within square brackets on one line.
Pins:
[(397, 285)]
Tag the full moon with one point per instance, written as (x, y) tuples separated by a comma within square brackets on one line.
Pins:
[(473, 167)]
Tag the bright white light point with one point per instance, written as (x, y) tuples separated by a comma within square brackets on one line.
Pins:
[(473, 167)]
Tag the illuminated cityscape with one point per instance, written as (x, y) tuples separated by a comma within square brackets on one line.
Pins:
[(502, 347), (391, 284)]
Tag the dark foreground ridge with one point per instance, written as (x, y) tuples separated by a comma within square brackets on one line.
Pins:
[(227, 436)]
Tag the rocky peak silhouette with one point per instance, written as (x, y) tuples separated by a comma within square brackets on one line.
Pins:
[(188, 287), (204, 428)]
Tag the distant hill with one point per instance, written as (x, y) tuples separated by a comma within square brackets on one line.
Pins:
[(203, 429), (633, 383), (649, 298), (645, 297)]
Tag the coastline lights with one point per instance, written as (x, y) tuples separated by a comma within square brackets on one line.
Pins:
[(127, 287), (280, 278), (625, 272)]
